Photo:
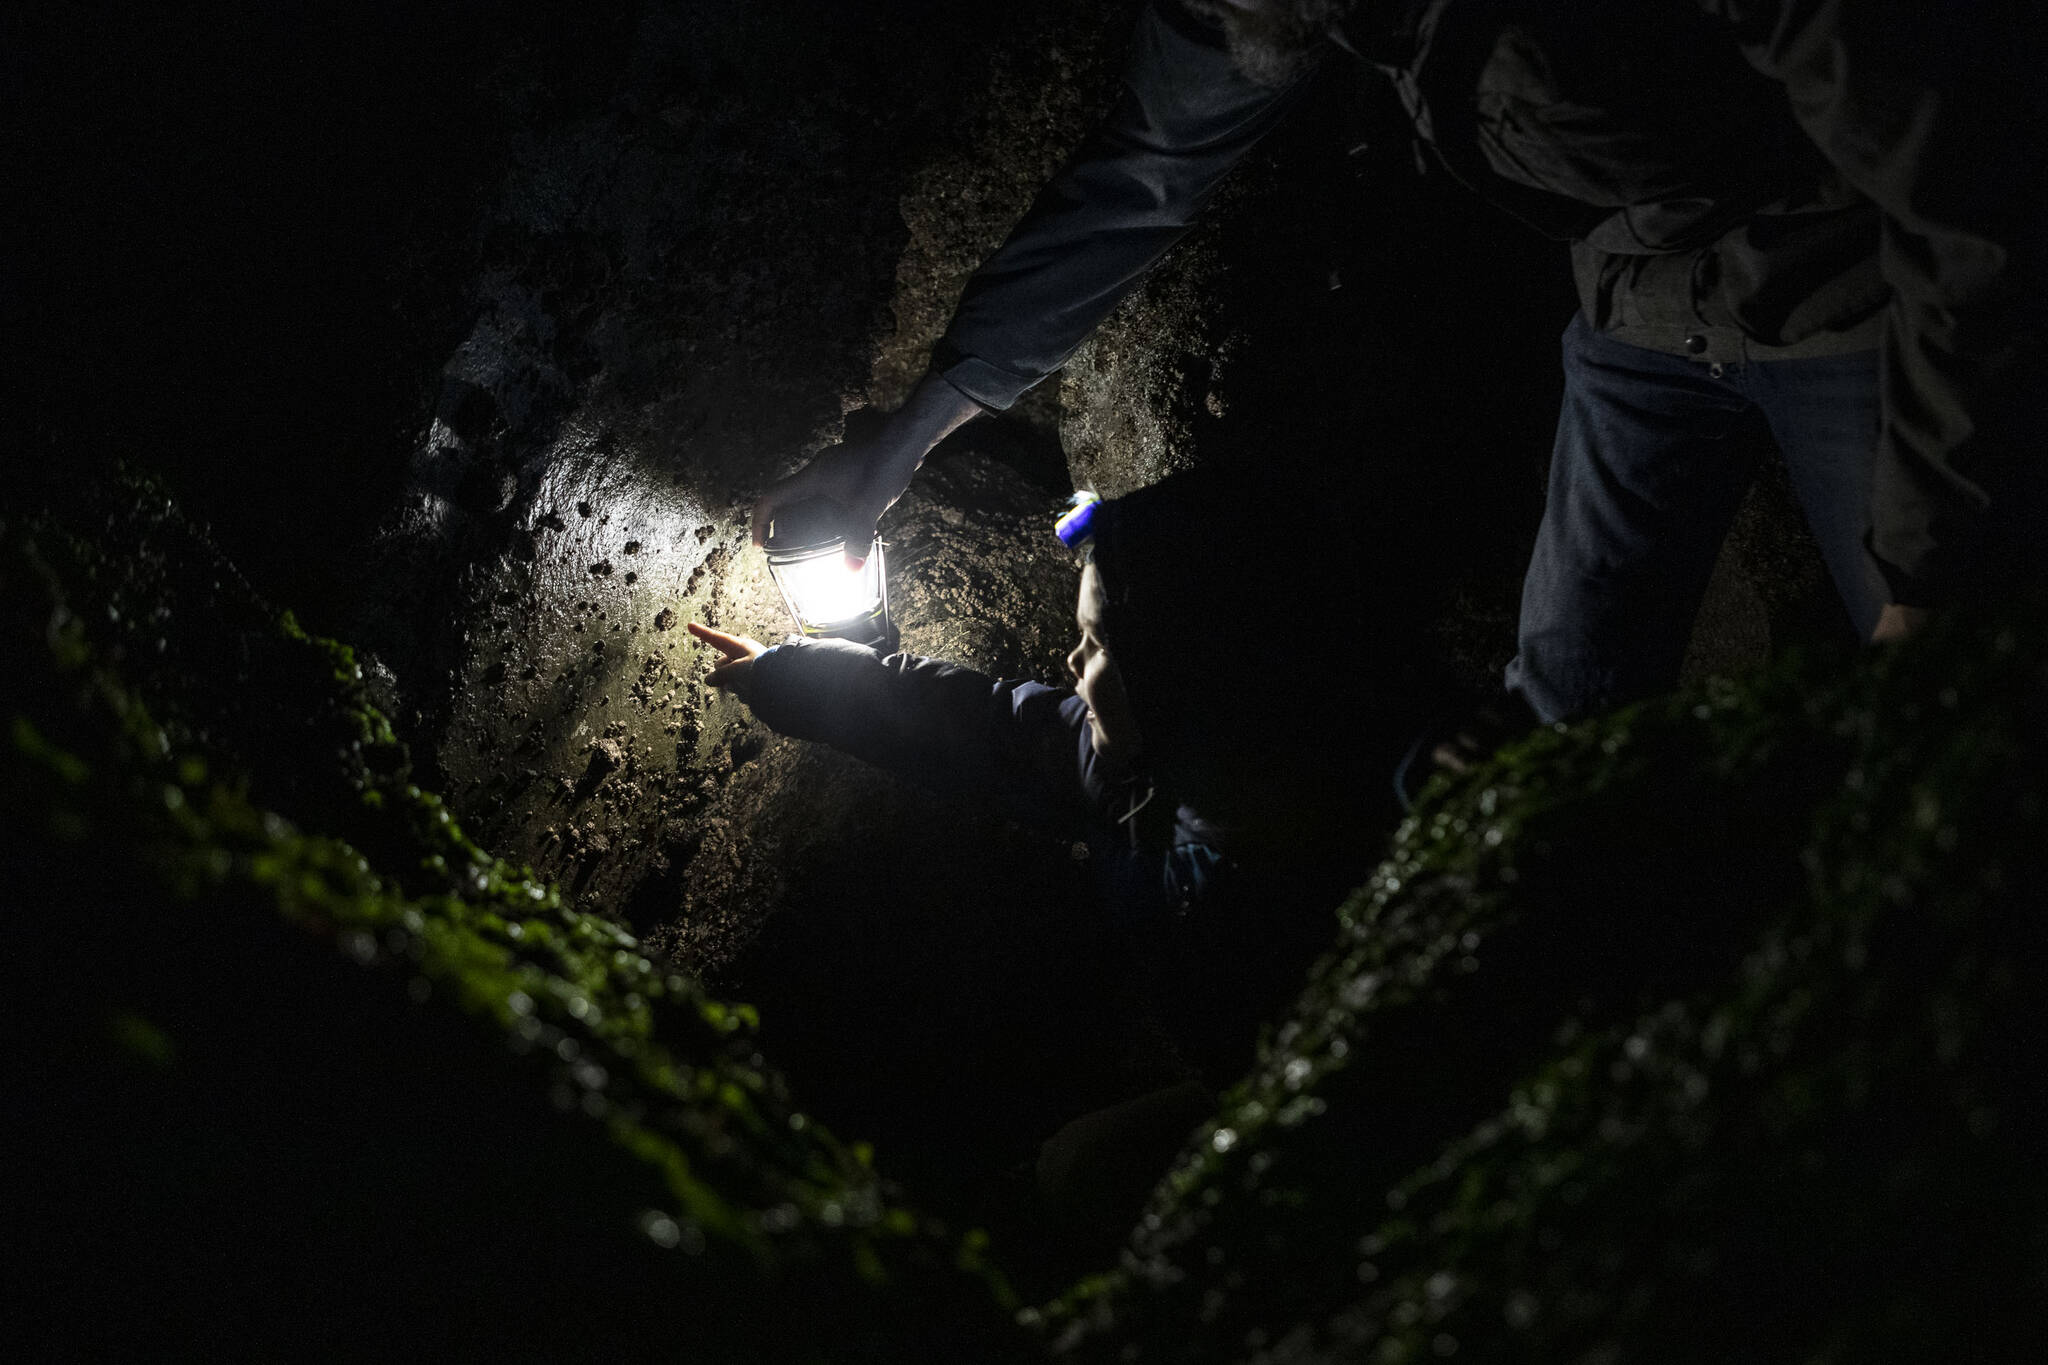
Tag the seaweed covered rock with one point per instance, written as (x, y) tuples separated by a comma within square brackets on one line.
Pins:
[(307, 1071), (1709, 1030)]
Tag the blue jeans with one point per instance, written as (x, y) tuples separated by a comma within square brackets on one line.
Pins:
[(1653, 455)]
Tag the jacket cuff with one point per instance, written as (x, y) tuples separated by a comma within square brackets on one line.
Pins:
[(991, 386), (783, 688), (743, 682), (770, 674)]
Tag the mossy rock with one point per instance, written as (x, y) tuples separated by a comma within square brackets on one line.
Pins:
[(308, 1072), (1705, 1031)]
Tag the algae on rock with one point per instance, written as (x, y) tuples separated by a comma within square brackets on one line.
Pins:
[(295, 1091)]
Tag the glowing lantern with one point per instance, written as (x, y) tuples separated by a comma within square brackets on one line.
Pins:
[(827, 599)]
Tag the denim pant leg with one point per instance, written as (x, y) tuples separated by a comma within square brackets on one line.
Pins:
[(1652, 457), (1824, 415)]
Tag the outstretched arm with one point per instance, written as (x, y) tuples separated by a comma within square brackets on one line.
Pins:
[(939, 724), (1184, 117)]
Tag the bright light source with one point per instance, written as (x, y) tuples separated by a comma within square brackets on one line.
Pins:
[(824, 596), (825, 592)]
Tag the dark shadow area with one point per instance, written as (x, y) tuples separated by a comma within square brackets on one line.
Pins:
[(251, 235)]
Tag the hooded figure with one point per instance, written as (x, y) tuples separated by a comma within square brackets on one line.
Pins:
[(1263, 701), (1224, 751)]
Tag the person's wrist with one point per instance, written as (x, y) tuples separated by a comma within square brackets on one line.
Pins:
[(905, 442), (936, 409)]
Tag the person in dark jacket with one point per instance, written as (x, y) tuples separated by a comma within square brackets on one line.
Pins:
[(1821, 219), (1170, 758), (1222, 751)]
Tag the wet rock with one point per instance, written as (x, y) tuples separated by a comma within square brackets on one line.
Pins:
[(664, 441)]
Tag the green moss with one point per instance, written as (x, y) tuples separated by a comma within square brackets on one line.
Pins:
[(156, 839)]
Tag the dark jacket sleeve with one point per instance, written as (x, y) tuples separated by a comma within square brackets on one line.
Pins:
[(939, 724), (1926, 109), (1185, 116), (1020, 743)]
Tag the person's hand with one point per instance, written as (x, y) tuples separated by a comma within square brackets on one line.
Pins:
[(739, 651), (1896, 623), (861, 480), (865, 476)]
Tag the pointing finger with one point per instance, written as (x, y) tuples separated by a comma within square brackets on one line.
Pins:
[(717, 639)]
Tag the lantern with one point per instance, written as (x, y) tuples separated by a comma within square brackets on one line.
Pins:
[(828, 600)]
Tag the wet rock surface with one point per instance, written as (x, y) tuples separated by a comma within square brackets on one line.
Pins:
[(663, 328)]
